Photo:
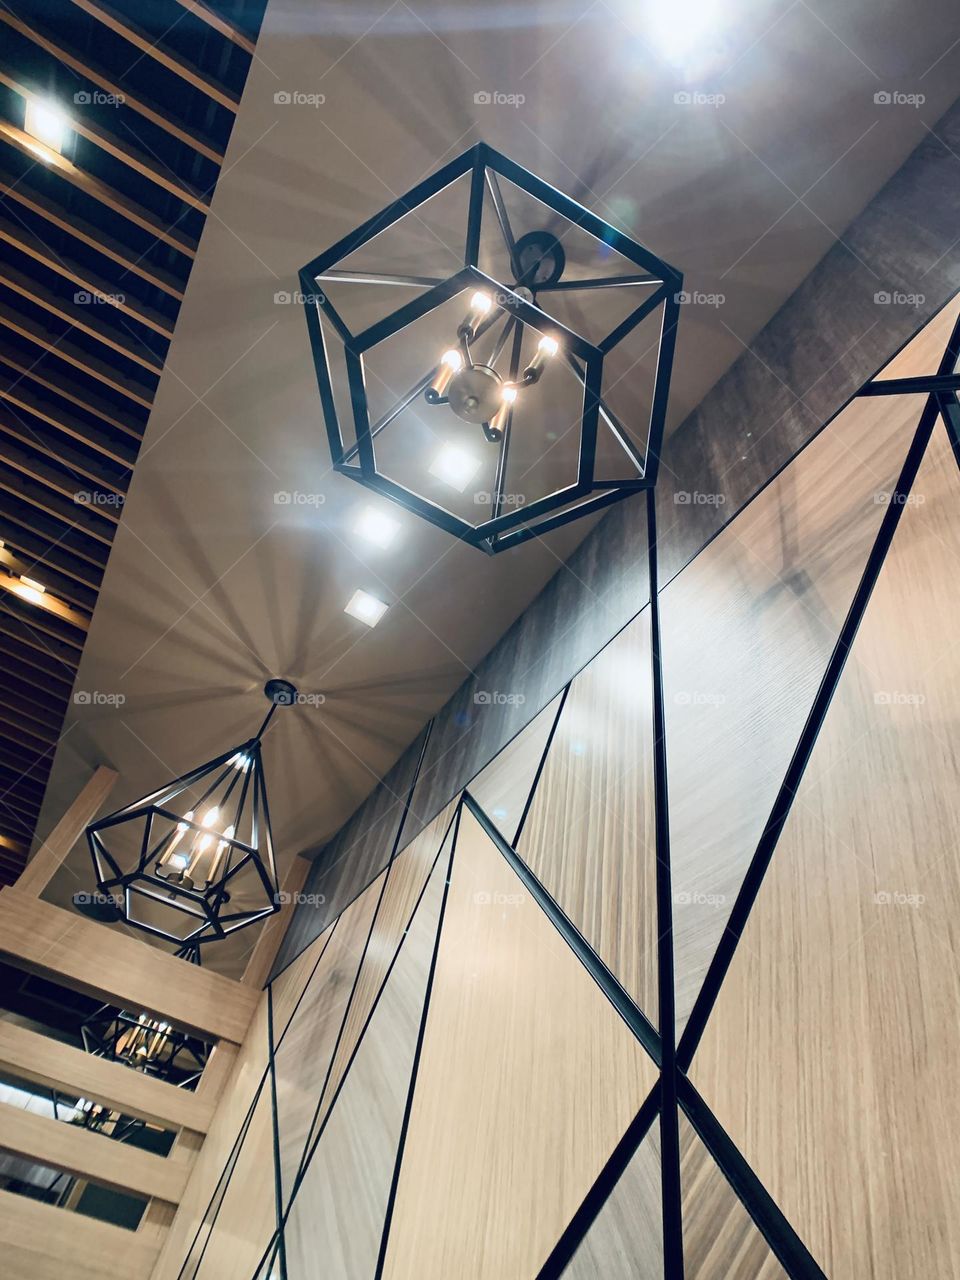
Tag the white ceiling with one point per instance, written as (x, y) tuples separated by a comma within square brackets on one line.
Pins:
[(212, 586)]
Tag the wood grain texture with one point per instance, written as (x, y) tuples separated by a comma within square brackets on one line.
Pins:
[(503, 787), (405, 879), (41, 1242), (526, 1082), (338, 1213), (287, 987), (51, 853), (589, 835), (260, 961), (748, 629), (719, 1237), (625, 1241), (830, 1058), (247, 1213), (234, 1100), (54, 1065), (94, 1156), (44, 939), (303, 1055)]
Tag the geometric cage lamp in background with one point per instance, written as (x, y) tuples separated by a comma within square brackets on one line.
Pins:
[(491, 355), (193, 861)]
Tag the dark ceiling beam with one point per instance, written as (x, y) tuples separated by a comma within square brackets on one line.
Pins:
[(65, 267), (45, 622), (69, 391), (121, 151), (69, 352), (102, 192), (17, 428), (63, 588), (59, 483), (42, 537), (12, 188), (41, 496), (17, 393), (214, 20), (12, 625), (41, 297), (155, 114), (123, 27), (20, 655)]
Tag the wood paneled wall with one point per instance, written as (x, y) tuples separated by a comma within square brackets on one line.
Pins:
[(824, 343)]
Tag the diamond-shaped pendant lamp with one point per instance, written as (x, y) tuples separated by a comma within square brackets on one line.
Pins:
[(491, 355), (145, 1044), (193, 861)]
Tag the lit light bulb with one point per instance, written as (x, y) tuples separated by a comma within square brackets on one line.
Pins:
[(451, 362), (480, 305), (508, 396), (547, 347)]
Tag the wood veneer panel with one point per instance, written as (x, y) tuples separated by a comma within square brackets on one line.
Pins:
[(748, 629), (589, 835), (48, 940), (503, 787), (288, 986), (41, 1242), (719, 1237), (625, 1241), (338, 1213), (830, 1058), (190, 1227), (405, 880), (247, 1213), (303, 1055), (526, 1082)]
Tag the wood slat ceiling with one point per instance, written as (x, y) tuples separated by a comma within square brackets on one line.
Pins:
[(96, 243)]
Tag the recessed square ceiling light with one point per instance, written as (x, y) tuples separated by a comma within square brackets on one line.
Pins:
[(366, 607), (46, 122), (377, 527), (455, 467)]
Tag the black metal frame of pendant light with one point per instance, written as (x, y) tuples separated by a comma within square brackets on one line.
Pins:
[(209, 906), (518, 303), (167, 1054)]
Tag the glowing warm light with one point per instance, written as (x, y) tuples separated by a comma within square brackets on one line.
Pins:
[(455, 467), (509, 394), (549, 346), (481, 302), (46, 122), (30, 589), (32, 583), (365, 607), (377, 527), (451, 362)]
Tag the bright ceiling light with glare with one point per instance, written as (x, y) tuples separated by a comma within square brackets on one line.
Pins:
[(455, 467), (30, 589), (46, 122), (683, 28), (365, 607), (377, 527)]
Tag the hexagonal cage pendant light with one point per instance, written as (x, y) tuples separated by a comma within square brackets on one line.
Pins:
[(522, 383), (198, 852)]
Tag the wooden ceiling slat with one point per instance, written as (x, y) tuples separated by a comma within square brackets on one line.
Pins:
[(214, 20), (13, 780), (83, 67), (89, 281), (52, 541), (13, 626), (43, 718), (17, 393), (40, 497), (48, 608), (11, 716), (24, 462), (153, 49), (40, 624), (89, 402), (16, 653), (41, 297), (65, 588), (106, 141), (13, 189), (71, 354), (19, 762), (34, 761), (16, 428), (102, 192)]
